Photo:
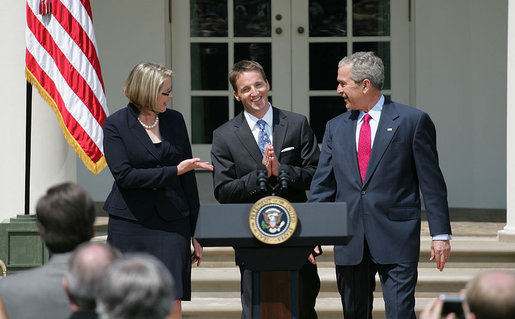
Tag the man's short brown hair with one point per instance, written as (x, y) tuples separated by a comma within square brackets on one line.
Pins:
[(244, 66)]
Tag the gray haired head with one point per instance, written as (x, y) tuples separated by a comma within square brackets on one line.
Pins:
[(85, 269), (365, 65), (136, 286)]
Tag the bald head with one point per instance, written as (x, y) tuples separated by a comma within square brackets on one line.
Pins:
[(86, 267), (492, 295)]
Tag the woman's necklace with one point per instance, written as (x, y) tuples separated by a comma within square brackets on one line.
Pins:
[(149, 127)]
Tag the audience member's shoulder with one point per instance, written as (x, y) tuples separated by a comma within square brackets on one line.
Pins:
[(19, 278)]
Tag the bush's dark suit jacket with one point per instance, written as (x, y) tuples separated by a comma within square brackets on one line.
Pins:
[(236, 156), (146, 180), (386, 207)]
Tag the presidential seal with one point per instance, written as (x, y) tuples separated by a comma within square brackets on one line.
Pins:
[(272, 220)]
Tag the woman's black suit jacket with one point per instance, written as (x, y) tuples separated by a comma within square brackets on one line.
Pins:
[(146, 180)]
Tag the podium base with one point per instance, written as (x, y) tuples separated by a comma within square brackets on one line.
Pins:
[(274, 295)]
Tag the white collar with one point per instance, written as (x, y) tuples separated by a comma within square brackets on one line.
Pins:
[(268, 117), (375, 112)]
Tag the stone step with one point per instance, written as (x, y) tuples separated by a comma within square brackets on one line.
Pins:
[(216, 291), (230, 308), (474, 248), (466, 252), (225, 282)]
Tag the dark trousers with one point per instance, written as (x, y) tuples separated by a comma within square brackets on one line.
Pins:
[(308, 288), (356, 285)]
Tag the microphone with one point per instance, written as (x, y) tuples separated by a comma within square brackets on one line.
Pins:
[(262, 179), (284, 179)]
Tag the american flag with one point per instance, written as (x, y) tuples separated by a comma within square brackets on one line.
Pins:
[(62, 63)]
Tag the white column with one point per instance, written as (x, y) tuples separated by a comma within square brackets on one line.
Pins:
[(508, 233), (12, 91), (53, 161)]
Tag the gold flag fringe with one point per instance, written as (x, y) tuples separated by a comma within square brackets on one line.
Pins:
[(95, 168)]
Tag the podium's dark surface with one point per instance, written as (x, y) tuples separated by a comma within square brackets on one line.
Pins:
[(228, 225)]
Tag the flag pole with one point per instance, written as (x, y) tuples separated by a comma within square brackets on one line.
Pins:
[(28, 135)]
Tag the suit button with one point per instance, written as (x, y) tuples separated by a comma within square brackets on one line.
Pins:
[(154, 189), (363, 192), (158, 166)]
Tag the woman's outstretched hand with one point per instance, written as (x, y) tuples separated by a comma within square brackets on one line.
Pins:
[(191, 164)]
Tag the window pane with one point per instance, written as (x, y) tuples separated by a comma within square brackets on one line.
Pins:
[(371, 18), (321, 110), (208, 18), (327, 18), (382, 50), (209, 66), (207, 113), (259, 52), (252, 18), (323, 64)]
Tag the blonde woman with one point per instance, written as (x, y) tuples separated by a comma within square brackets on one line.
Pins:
[(153, 205)]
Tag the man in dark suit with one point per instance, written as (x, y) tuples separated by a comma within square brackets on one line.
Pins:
[(283, 142), (64, 217), (377, 158)]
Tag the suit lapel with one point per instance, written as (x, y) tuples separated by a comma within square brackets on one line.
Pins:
[(279, 128), (348, 135), (140, 133), (385, 132), (244, 134)]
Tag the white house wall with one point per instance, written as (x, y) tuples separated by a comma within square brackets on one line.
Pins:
[(460, 58)]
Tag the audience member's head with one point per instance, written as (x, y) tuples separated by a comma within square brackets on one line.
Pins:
[(85, 269), (65, 217), (491, 295), (135, 286)]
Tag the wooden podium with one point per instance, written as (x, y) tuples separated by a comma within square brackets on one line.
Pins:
[(274, 294)]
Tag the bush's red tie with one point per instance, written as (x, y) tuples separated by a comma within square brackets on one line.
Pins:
[(364, 146)]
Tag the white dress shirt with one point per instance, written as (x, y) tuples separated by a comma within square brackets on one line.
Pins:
[(254, 127)]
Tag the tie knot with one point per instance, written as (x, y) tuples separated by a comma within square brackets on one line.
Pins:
[(367, 118), (261, 124)]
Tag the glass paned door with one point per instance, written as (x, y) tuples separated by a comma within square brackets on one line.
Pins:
[(298, 42), (218, 34), (337, 28)]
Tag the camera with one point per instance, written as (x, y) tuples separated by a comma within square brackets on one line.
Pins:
[(453, 303)]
